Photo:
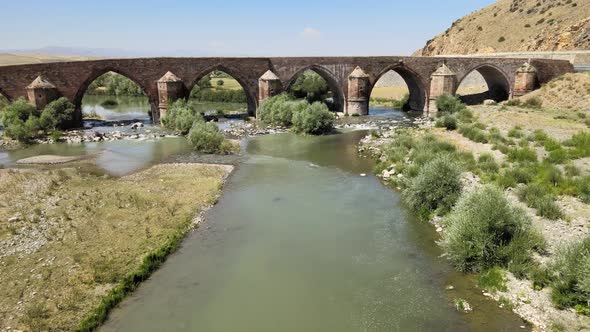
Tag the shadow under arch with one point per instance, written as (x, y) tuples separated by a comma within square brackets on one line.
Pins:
[(496, 80), (329, 77), (5, 96), (418, 93), (153, 100), (251, 99)]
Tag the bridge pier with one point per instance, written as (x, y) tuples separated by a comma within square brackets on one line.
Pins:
[(442, 82), (41, 92), (526, 80), (357, 102), (269, 84), (170, 88)]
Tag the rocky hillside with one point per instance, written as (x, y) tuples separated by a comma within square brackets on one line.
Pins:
[(517, 25)]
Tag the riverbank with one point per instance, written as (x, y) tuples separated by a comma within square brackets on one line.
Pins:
[(69, 241), (489, 156)]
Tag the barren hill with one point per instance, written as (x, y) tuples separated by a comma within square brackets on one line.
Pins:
[(517, 26)]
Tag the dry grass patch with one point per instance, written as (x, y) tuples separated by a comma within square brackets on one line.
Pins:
[(67, 238)]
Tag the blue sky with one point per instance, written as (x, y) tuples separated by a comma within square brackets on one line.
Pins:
[(231, 27)]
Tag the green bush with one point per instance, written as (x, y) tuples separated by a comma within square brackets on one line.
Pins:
[(401, 104), (487, 163), (279, 110), (510, 177), (464, 115), (449, 104), (436, 187), (583, 189), (205, 137), (580, 144), (181, 117), (484, 230), (447, 121), (537, 197), (515, 132), (315, 119), (474, 133), (524, 154), (109, 103), (570, 277), (58, 114), (533, 102), (20, 120)]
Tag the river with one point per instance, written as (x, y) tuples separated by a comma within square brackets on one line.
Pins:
[(300, 241)]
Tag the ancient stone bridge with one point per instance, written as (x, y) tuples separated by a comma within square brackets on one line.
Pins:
[(351, 79)]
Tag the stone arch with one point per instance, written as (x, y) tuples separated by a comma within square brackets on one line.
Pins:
[(251, 99), (153, 99), (498, 84), (329, 77), (418, 92)]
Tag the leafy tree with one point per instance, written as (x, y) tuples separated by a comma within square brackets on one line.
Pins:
[(205, 137), (20, 120), (311, 86), (181, 117), (58, 114), (315, 119)]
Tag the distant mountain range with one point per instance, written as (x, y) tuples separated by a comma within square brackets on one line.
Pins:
[(108, 52)]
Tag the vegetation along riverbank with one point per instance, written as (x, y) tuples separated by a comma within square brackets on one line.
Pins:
[(72, 245), (508, 189)]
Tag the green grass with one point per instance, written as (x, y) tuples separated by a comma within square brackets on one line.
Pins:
[(492, 280), (130, 282), (474, 133), (537, 197)]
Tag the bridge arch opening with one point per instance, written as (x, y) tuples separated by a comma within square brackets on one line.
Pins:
[(113, 96), (218, 92), (316, 83), (482, 83), (400, 88)]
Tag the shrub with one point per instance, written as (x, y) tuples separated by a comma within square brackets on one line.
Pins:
[(464, 115), (58, 114), (515, 132), (537, 197), (15, 119), (583, 189), (487, 163), (447, 121), (510, 177), (181, 117), (279, 110), (474, 133), (580, 143), (315, 119), (485, 230), (205, 137), (109, 103), (571, 276), (449, 104), (401, 104), (524, 154), (436, 187), (533, 102)]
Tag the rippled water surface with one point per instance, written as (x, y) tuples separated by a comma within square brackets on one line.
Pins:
[(301, 242)]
